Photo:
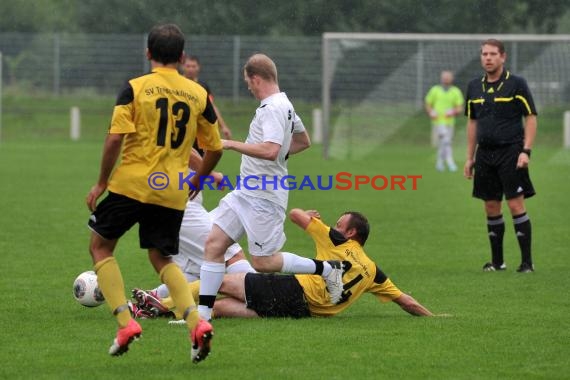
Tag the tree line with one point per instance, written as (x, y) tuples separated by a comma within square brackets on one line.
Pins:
[(293, 17)]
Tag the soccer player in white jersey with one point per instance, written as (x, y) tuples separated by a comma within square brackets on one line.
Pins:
[(258, 207)]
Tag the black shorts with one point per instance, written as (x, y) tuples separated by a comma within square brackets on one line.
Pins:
[(159, 226), (274, 295), (496, 174)]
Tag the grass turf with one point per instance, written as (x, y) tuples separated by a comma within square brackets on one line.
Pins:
[(432, 243)]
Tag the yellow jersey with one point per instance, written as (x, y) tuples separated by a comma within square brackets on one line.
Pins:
[(361, 274), (160, 113)]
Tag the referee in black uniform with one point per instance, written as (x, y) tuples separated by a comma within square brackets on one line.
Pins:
[(495, 107)]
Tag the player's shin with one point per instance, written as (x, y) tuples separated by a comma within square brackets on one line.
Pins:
[(112, 286), (172, 276), (211, 277)]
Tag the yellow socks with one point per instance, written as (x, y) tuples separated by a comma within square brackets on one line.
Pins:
[(172, 276), (111, 284)]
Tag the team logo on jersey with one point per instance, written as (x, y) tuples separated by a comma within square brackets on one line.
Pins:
[(490, 91)]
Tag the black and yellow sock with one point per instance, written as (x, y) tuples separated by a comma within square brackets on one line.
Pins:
[(112, 286), (496, 230), (172, 276), (524, 236)]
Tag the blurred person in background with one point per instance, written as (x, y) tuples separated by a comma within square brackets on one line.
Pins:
[(442, 103), (191, 69)]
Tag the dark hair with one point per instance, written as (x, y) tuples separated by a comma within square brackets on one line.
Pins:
[(360, 223), (191, 57), (496, 43), (166, 43)]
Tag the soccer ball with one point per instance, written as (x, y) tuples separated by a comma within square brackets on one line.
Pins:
[(86, 290)]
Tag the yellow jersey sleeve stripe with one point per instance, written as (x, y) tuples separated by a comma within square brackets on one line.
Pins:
[(525, 102), (472, 101)]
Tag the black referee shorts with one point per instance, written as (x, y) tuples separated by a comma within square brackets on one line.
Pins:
[(496, 174), (274, 295), (159, 226)]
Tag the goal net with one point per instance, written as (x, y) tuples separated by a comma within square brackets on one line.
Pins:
[(374, 84)]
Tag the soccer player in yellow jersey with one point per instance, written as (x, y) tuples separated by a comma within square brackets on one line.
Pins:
[(273, 295), (156, 118), (443, 102)]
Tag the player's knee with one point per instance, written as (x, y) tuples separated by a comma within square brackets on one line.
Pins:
[(265, 264), (492, 208)]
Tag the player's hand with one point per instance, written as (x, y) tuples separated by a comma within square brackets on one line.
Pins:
[(218, 178), (93, 195), (468, 168), (194, 187), (226, 144), (314, 214), (450, 113), (522, 162), (433, 114), (226, 133)]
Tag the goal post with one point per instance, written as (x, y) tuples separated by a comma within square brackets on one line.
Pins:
[(373, 84), (1, 95)]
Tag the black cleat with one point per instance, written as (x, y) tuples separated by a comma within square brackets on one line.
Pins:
[(490, 267), (525, 268)]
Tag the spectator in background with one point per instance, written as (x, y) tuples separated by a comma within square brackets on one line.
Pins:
[(191, 70), (442, 103)]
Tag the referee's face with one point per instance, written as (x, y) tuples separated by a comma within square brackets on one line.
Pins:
[(491, 59)]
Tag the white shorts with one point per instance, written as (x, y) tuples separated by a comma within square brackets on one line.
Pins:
[(261, 220), (444, 133), (196, 226)]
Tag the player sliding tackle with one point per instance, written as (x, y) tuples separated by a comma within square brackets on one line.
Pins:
[(268, 295), (275, 133)]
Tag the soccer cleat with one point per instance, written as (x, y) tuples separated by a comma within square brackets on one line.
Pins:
[(201, 337), (150, 301), (525, 268), (489, 267), (124, 337), (139, 313), (334, 281)]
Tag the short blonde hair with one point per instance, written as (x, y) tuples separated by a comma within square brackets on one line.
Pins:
[(262, 66)]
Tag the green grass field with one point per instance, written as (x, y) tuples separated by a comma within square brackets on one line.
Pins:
[(432, 242)]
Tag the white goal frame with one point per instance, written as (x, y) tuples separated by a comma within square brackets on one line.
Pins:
[(328, 65)]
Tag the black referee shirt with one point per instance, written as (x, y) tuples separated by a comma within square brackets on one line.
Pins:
[(498, 108)]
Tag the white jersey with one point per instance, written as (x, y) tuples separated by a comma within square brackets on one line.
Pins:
[(275, 121)]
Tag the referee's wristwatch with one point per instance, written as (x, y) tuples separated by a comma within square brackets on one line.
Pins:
[(527, 152)]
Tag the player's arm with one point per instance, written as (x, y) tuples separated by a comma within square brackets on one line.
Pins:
[(302, 218), (121, 123), (265, 150), (410, 305), (299, 142), (195, 163), (224, 129), (428, 104), (471, 145), (530, 125), (209, 140), (111, 151), (430, 111)]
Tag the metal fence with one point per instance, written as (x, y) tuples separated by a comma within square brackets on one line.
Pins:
[(64, 63)]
